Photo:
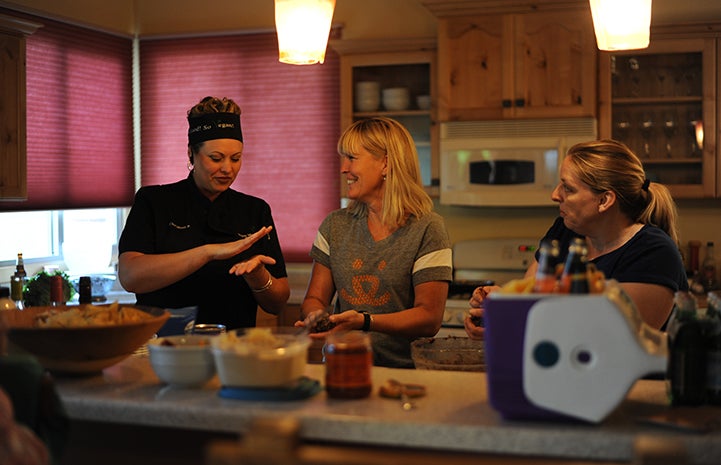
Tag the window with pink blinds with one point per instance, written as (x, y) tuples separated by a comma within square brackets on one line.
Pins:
[(289, 118), (79, 119)]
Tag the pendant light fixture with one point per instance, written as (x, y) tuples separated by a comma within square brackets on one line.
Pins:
[(303, 27), (621, 24)]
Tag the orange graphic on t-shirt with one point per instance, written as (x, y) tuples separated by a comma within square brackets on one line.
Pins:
[(365, 288)]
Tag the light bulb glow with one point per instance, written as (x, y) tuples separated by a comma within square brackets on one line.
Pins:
[(621, 24), (303, 27)]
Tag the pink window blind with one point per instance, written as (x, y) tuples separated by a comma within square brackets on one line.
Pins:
[(79, 119), (289, 118)]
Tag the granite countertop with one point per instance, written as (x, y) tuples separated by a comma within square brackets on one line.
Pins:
[(454, 415)]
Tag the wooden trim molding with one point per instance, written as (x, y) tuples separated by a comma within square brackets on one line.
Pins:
[(445, 8), (352, 46), (12, 25)]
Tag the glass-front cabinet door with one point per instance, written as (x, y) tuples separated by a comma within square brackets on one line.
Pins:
[(396, 85), (661, 102)]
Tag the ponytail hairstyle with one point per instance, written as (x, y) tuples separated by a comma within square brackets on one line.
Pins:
[(609, 165)]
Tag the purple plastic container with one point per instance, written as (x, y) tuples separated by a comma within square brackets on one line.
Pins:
[(505, 322)]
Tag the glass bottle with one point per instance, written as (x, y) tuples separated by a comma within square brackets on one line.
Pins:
[(85, 294), (708, 269), (5, 302), (56, 291), (348, 364), (546, 280), (713, 349), (16, 291), (20, 267), (686, 371), (574, 279)]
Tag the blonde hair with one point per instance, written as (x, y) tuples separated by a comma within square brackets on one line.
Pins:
[(404, 193), (609, 165)]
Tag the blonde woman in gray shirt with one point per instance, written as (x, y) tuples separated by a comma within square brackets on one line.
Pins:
[(384, 260)]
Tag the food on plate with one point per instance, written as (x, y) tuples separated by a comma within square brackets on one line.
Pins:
[(91, 315)]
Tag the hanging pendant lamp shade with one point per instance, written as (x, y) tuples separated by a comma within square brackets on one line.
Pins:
[(621, 24), (303, 27)]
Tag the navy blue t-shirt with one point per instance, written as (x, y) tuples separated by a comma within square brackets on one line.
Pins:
[(649, 257)]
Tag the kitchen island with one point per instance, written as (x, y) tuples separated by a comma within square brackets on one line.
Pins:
[(112, 410)]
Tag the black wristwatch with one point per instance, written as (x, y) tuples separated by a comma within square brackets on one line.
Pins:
[(366, 321)]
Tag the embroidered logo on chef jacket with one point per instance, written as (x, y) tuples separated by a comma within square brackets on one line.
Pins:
[(365, 288)]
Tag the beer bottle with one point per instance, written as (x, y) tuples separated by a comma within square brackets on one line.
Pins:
[(686, 372), (546, 280), (85, 290), (20, 268), (708, 269), (16, 291), (574, 279), (713, 349)]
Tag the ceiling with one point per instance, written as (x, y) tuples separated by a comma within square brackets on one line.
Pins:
[(374, 19)]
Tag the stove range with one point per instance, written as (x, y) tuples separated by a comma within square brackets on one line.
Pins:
[(483, 262)]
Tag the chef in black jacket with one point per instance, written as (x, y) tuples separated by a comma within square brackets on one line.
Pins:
[(197, 242)]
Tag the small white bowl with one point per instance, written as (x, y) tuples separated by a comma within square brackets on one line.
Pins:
[(396, 98), (423, 102), (184, 361)]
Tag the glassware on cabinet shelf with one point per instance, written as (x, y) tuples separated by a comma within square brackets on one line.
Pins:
[(647, 126), (670, 126)]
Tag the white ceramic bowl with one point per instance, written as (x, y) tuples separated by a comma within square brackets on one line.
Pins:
[(367, 96), (396, 98), (423, 102), (184, 361), (260, 357)]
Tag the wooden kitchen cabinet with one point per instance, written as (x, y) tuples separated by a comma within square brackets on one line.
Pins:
[(525, 65), (410, 65), (661, 102), (13, 167)]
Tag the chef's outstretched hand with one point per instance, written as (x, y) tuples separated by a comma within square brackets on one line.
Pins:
[(230, 249)]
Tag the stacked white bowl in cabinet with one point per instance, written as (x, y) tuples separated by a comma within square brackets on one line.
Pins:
[(367, 96)]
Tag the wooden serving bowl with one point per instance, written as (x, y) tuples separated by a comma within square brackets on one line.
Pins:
[(84, 349)]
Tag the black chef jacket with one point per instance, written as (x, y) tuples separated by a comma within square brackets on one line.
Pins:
[(176, 217)]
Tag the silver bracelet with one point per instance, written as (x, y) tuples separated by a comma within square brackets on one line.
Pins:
[(266, 286)]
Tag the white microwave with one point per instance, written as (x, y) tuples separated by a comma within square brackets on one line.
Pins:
[(508, 162)]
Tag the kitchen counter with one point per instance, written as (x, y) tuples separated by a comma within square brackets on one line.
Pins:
[(454, 416)]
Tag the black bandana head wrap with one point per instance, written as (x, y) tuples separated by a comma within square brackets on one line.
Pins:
[(214, 126)]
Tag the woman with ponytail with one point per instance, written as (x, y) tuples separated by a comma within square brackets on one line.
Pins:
[(628, 221)]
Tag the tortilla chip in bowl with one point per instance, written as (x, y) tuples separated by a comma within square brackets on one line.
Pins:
[(82, 338)]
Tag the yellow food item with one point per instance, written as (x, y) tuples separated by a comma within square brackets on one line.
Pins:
[(90, 315), (596, 283), (519, 286)]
